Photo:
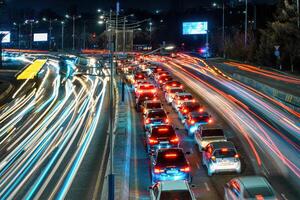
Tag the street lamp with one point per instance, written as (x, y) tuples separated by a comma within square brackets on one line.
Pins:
[(62, 34), (164, 47), (19, 34), (31, 22), (74, 17), (50, 30)]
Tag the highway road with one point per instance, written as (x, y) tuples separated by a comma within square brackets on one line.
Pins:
[(265, 132), (48, 131)]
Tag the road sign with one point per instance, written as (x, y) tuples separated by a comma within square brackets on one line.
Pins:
[(277, 53), (276, 47)]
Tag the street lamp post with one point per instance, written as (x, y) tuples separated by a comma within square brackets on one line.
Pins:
[(246, 22), (223, 29), (84, 34), (124, 35), (62, 34), (150, 32), (74, 17), (19, 34), (298, 14)]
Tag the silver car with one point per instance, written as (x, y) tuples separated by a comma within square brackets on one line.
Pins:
[(221, 157), (249, 188)]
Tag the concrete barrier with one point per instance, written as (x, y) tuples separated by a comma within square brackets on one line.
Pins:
[(290, 100)]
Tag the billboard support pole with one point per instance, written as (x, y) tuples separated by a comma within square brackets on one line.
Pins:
[(1, 37)]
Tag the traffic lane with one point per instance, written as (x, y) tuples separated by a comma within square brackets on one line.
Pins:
[(254, 149), (207, 187), (139, 180)]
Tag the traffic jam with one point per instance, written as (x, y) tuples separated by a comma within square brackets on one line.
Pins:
[(154, 88)]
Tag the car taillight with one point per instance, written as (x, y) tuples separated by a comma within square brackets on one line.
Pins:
[(185, 110), (181, 86), (147, 121), (210, 121), (174, 140), (153, 91), (166, 120), (213, 158), (185, 169), (157, 170), (160, 81), (236, 156), (201, 110), (153, 141), (192, 121)]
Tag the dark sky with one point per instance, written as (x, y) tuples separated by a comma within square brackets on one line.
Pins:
[(92, 5)]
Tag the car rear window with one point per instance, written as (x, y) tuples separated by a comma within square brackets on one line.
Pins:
[(176, 90), (145, 87), (224, 153), (175, 195), (163, 131), (258, 192), (146, 96), (212, 133), (153, 105), (201, 118), (158, 114), (171, 158), (186, 97)]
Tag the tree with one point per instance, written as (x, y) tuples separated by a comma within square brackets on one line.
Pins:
[(283, 31)]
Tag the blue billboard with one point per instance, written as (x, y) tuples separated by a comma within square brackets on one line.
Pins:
[(194, 28)]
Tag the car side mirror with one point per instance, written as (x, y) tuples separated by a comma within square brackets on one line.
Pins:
[(188, 153)]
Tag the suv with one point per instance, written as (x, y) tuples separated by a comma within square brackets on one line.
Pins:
[(155, 117), (186, 108), (204, 135), (145, 88), (150, 105), (179, 190), (248, 188), (170, 164), (221, 157), (143, 97), (171, 84), (179, 98), (171, 92), (195, 119), (161, 136)]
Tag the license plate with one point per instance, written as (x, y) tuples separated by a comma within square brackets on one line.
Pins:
[(172, 171), (164, 142)]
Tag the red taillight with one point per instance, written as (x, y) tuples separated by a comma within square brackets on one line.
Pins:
[(181, 86), (201, 110), (185, 110), (160, 81), (153, 91), (174, 140), (167, 120), (192, 121), (236, 156), (171, 155), (210, 121), (147, 121), (185, 169), (157, 170), (153, 141)]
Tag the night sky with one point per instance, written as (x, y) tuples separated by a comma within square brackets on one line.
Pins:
[(91, 5)]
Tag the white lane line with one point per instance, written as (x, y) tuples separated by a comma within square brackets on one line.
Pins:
[(198, 165), (206, 186), (283, 196)]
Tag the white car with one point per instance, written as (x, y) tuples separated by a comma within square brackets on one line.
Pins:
[(179, 98), (221, 157), (179, 190), (249, 188), (171, 92)]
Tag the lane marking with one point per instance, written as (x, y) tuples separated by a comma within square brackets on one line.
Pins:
[(206, 186), (283, 196), (198, 166)]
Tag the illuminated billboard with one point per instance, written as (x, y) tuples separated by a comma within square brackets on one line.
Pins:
[(6, 38), (194, 28), (40, 37)]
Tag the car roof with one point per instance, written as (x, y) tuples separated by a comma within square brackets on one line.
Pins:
[(183, 93), (223, 144), (196, 113), (174, 185), (254, 181)]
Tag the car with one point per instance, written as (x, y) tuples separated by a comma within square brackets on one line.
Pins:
[(248, 188), (140, 98), (179, 190), (172, 83), (187, 107), (145, 87), (140, 82), (179, 98), (163, 79), (138, 76), (170, 164), (155, 117), (155, 71), (221, 157), (205, 135), (194, 119), (151, 104), (171, 92), (160, 74), (150, 69), (161, 136)]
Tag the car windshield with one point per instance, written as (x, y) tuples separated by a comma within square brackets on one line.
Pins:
[(153, 105), (224, 153), (176, 195), (171, 158), (157, 114), (212, 133), (255, 192)]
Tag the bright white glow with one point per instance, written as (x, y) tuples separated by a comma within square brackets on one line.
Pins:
[(194, 28), (40, 37), (6, 38)]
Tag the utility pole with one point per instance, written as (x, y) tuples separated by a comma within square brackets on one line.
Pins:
[(246, 22), (31, 34), (50, 33), (62, 34), (117, 14), (223, 29), (84, 34), (150, 31), (73, 45), (1, 38), (111, 178), (207, 45), (124, 35)]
